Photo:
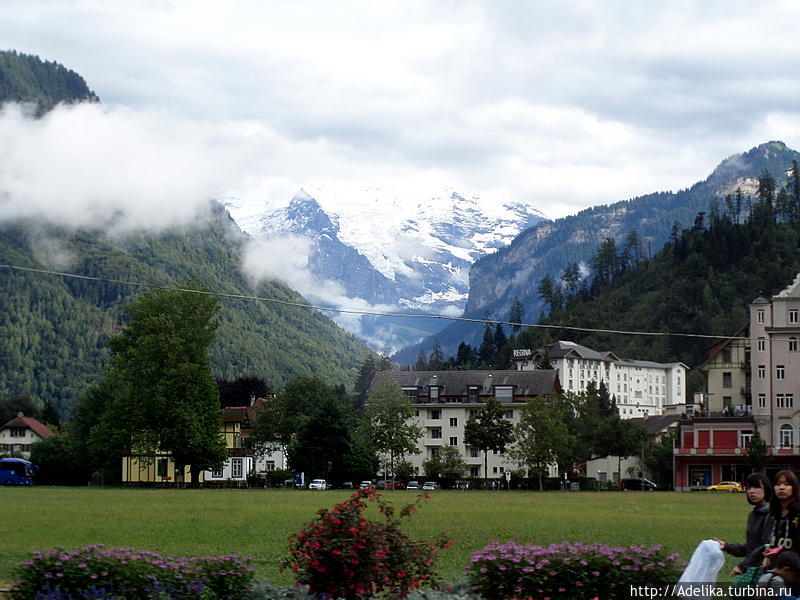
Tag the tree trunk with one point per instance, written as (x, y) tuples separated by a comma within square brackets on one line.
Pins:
[(541, 487), (194, 474)]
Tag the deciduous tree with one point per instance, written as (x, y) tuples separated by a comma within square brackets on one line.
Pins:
[(160, 375), (540, 437), (488, 430), (388, 426)]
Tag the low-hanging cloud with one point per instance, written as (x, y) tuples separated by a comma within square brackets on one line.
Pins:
[(83, 165)]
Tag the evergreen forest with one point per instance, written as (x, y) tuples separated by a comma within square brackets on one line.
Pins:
[(28, 79), (55, 330)]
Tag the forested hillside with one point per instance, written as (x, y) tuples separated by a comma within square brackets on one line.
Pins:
[(54, 330), (27, 78), (701, 282)]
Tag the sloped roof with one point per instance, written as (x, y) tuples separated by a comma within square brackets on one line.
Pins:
[(658, 424), (29, 423), (457, 383), (722, 343), (561, 349), (760, 300)]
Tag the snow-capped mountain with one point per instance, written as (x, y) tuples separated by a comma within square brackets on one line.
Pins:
[(391, 252)]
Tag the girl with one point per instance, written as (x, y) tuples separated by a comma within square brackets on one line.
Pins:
[(785, 509), (760, 525)]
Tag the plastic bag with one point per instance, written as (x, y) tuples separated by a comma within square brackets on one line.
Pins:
[(707, 559)]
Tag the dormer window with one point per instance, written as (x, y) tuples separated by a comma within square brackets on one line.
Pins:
[(472, 394), (433, 393), (504, 393)]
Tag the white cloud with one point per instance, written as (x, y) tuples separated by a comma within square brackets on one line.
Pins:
[(569, 104)]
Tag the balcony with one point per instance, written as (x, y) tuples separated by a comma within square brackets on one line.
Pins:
[(434, 441)]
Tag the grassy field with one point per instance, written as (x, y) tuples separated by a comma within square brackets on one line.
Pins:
[(257, 522)]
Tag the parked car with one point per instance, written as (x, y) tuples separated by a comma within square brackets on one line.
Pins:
[(347, 485), (396, 485), (430, 485), (726, 486), (412, 485), (365, 485), (638, 483), (318, 484)]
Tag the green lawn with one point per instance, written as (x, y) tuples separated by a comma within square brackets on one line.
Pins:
[(257, 522)]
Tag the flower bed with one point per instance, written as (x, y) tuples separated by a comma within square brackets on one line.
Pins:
[(99, 574), (567, 570)]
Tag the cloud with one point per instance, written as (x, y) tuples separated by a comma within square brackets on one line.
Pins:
[(84, 165), (285, 258), (568, 105)]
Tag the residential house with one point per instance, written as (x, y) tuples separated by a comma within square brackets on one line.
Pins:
[(640, 388), (614, 468), (242, 462), (444, 400), (17, 436), (727, 374)]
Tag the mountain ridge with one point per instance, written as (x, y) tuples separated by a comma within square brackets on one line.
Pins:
[(546, 249)]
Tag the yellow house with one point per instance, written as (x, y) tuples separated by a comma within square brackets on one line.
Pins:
[(160, 469)]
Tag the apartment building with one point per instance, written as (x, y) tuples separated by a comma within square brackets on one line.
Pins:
[(444, 400)]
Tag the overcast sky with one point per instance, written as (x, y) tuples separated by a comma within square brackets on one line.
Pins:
[(564, 104)]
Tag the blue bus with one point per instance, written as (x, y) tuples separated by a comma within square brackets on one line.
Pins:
[(16, 471)]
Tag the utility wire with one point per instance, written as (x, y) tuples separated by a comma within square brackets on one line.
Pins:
[(355, 311)]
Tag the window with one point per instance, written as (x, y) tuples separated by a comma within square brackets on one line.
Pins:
[(780, 372), (780, 400), (494, 469), (454, 441), (474, 472), (727, 401), (436, 414), (727, 379), (504, 393), (744, 439), (792, 344), (762, 401), (509, 414), (217, 473), (473, 395), (436, 433), (161, 467), (762, 345), (760, 316), (726, 355), (787, 435), (793, 316), (762, 372), (411, 392), (236, 468), (433, 393), (270, 465), (17, 432), (474, 452), (789, 400), (453, 422)]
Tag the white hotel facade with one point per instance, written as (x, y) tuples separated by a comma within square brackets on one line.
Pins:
[(641, 388)]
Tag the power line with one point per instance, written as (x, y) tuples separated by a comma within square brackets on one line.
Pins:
[(355, 311)]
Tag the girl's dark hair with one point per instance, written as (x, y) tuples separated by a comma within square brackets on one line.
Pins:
[(775, 507), (759, 480)]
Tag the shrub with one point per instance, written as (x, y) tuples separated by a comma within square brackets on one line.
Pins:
[(343, 554), (94, 572), (567, 570)]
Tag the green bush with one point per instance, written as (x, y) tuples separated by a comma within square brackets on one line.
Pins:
[(343, 554)]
